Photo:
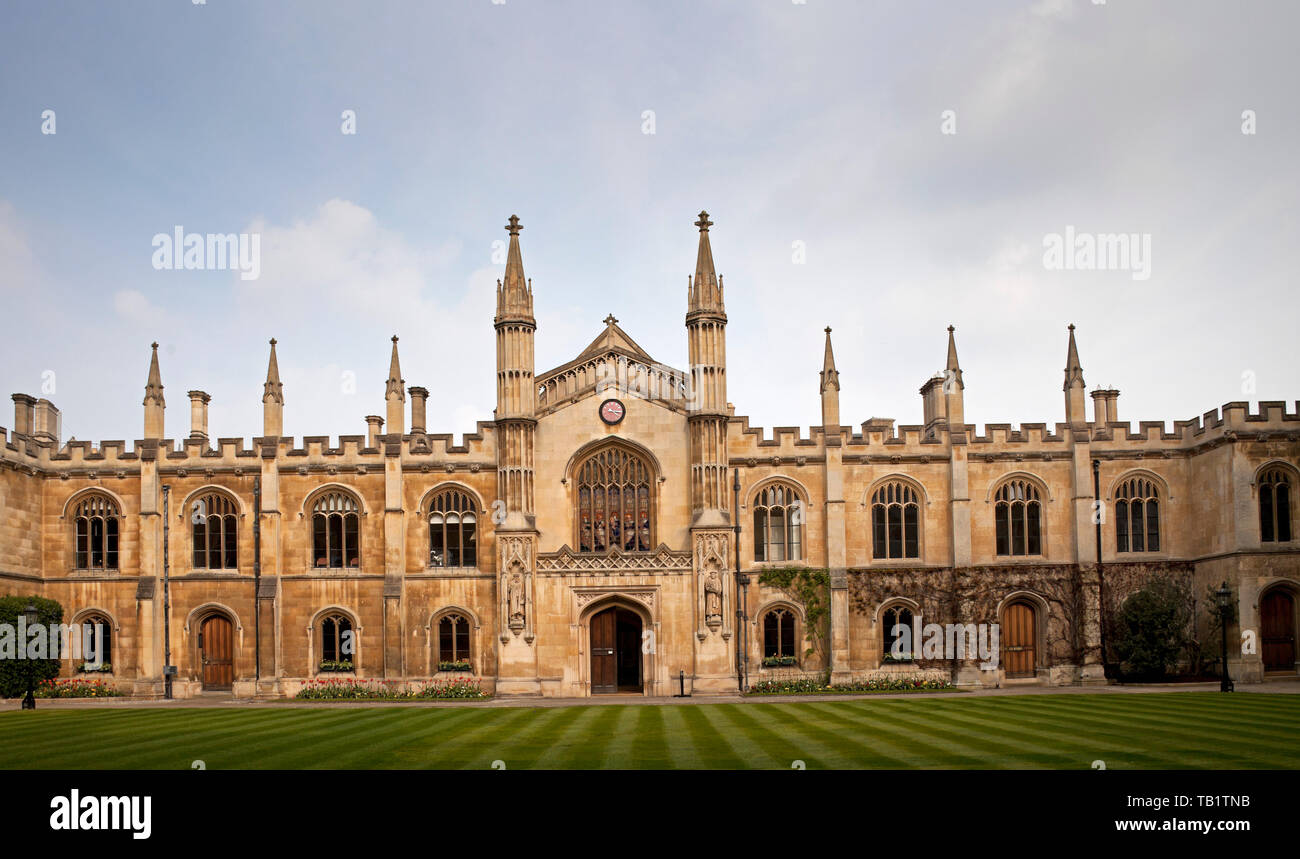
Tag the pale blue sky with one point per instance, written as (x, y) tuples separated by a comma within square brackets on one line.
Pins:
[(817, 123)]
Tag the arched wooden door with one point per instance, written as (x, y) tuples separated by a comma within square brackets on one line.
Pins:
[(1018, 640), (216, 652), (1277, 621), (616, 651)]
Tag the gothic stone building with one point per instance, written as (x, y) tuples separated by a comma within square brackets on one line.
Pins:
[(584, 540)]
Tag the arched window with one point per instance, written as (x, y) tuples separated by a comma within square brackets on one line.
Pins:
[(214, 529), (334, 527), (1275, 506), (614, 509), (96, 521), (453, 540), (896, 624), (1017, 517), (453, 640), (778, 635), (895, 521), (1137, 516), (778, 524), (338, 643), (97, 642)]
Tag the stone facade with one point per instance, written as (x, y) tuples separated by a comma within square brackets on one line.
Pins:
[(539, 579)]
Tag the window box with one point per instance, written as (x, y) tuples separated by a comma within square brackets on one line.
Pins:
[(462, 665), (87, 668), (331, 665), (779, 661), (891, 659)]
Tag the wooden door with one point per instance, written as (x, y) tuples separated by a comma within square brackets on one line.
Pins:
[(629, 651), (1277, 619), (1018, 637), (604, 653), (215, 653)]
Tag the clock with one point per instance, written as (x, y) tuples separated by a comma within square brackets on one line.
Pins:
[(612, 412)]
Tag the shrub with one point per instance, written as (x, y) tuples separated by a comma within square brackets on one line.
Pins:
[(14, 671), (1151, 630)]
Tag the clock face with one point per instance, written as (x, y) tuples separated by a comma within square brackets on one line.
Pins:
[(611, 411)]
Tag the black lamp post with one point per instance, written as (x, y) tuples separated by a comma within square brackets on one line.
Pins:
[(31, 617), (1224, 595)]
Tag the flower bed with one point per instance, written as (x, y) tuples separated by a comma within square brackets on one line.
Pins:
[(75, 688), (333, 689), (934, 681)]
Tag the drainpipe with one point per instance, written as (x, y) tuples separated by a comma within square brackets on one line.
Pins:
[(257, 581), (167, 601)]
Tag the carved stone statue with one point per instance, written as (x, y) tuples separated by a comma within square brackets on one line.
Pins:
[(712, 596), (515, 600)]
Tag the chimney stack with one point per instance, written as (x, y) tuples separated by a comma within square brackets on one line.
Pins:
[(418, 398), (24, 414), (1100, 409), (46, 426), (375, 426), (199, 415)]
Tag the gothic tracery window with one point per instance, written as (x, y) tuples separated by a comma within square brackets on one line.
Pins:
[(614, 505), (1017, 518), (896, 628), (778, 524), (453, 538), (1275, 506), (214, 530), (97, 641), (337, 641), (1137, 516), (778, 634), (96, 525), (895, 521), (453, 639), (335, 525)]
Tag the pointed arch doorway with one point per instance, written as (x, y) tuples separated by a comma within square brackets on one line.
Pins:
[(616, 635)]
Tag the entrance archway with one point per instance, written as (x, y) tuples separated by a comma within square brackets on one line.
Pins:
[(1277, 630), (616, 651), (216, 652)]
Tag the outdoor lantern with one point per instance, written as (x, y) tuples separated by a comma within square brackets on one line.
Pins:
[(1224, 595), (31, 617)]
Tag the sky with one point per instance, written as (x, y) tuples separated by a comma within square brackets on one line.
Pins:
[(887, 169)]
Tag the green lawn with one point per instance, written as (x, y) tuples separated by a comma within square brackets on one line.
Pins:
[(1198, 730)]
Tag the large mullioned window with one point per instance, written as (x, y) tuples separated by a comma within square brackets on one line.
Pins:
[(778, 524), (96, 521), (214, 529), (453, 520), (1275, 506), (1137, 516), (895, 522), (1017, 519), (335, 527), (614, 507)]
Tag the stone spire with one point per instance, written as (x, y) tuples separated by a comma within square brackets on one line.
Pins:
[(830, 388), (706, 289), (272, 399), (830, 376), (706, 329), (395, 394), (954, 388), (154, 404), (515, 294), (516, 409), (1075, 391)]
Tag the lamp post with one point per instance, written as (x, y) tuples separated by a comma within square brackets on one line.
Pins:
[(1224, 595), (31, 617)]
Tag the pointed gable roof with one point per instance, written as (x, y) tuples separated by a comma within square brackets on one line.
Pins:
[(614, 339)]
